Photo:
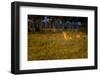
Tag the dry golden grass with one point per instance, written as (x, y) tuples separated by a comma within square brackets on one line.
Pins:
[(58, 45)]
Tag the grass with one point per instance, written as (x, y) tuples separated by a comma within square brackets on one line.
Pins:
[(50, 46)]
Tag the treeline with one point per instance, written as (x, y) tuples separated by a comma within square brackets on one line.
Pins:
[(53, 23)]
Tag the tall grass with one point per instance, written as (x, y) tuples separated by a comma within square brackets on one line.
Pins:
[(50, 46)]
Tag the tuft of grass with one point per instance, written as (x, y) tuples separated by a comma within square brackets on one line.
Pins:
[(52, 46)]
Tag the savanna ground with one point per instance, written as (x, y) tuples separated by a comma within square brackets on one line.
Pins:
[(50, 45)]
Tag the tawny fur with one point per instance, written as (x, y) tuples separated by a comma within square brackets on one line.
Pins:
[(67, 36), (78, 36)]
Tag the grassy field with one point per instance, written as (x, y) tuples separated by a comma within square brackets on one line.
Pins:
[(50, 46)]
